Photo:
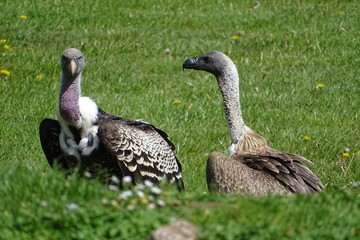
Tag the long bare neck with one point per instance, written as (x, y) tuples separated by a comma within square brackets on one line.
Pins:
[(69, 99), (228, 82)]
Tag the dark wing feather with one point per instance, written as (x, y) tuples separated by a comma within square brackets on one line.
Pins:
[(141, 150), (287, 168), (49, 131)]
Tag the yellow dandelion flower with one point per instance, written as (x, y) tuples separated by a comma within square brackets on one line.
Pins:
[(340, 13), (5, 72), (6, 46), (176, 102), (320, 85), (307, 138), (345, 154), (207, 212), (2, 40), (208, 97), (39, 77), (235, 37), (23, 17)]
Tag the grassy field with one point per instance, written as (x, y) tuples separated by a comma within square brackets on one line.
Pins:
[(299, 67)]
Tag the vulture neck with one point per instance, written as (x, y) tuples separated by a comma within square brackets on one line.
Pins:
[(69, 99), (228, 81)]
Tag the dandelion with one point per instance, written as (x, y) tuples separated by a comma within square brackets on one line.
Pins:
[(23, 16), (5, 72), (320, 85), (208, 97), (176, 102), (235, 37), (307, 138), (345, 154), (207, 212), (39, 77), (7, 47), (2, 41), (72, 206)]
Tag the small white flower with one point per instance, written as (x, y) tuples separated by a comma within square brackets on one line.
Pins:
[(114, 203), (104, 201), (140, 193), (112, 187), (72, 206), (139, 187), (115, 179), (151, 198), (156, 190), (44, 203), (127, 179), (125, 195), (131, 207), (148, 183), (347, 150), (161, 202), (167, 51), (87, 174), (151, 206)]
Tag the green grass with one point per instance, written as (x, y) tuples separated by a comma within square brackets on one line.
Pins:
[(286, 48)]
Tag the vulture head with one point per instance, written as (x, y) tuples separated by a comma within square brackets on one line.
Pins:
[(72, 62), (213, 62)]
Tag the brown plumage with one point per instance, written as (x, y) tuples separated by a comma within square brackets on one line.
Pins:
[(102, 144), (252, 167)]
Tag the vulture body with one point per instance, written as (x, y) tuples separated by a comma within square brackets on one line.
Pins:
[(102, 144), (252, 167)]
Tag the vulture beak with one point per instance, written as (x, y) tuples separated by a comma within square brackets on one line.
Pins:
[(72, 66), (190, 63)]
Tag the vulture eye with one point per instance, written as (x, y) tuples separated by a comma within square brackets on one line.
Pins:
[(207, 59)]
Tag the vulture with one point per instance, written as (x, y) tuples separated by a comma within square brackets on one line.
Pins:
[(252, 167), (102, 145)]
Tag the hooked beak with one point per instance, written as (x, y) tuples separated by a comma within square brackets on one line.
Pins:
[(190, 63), (72, 66)]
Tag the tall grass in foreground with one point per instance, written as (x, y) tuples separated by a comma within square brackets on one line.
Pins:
[(298, 62)]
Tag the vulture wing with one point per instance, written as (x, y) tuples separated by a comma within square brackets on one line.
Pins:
[(287, 168), (142, 151)]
